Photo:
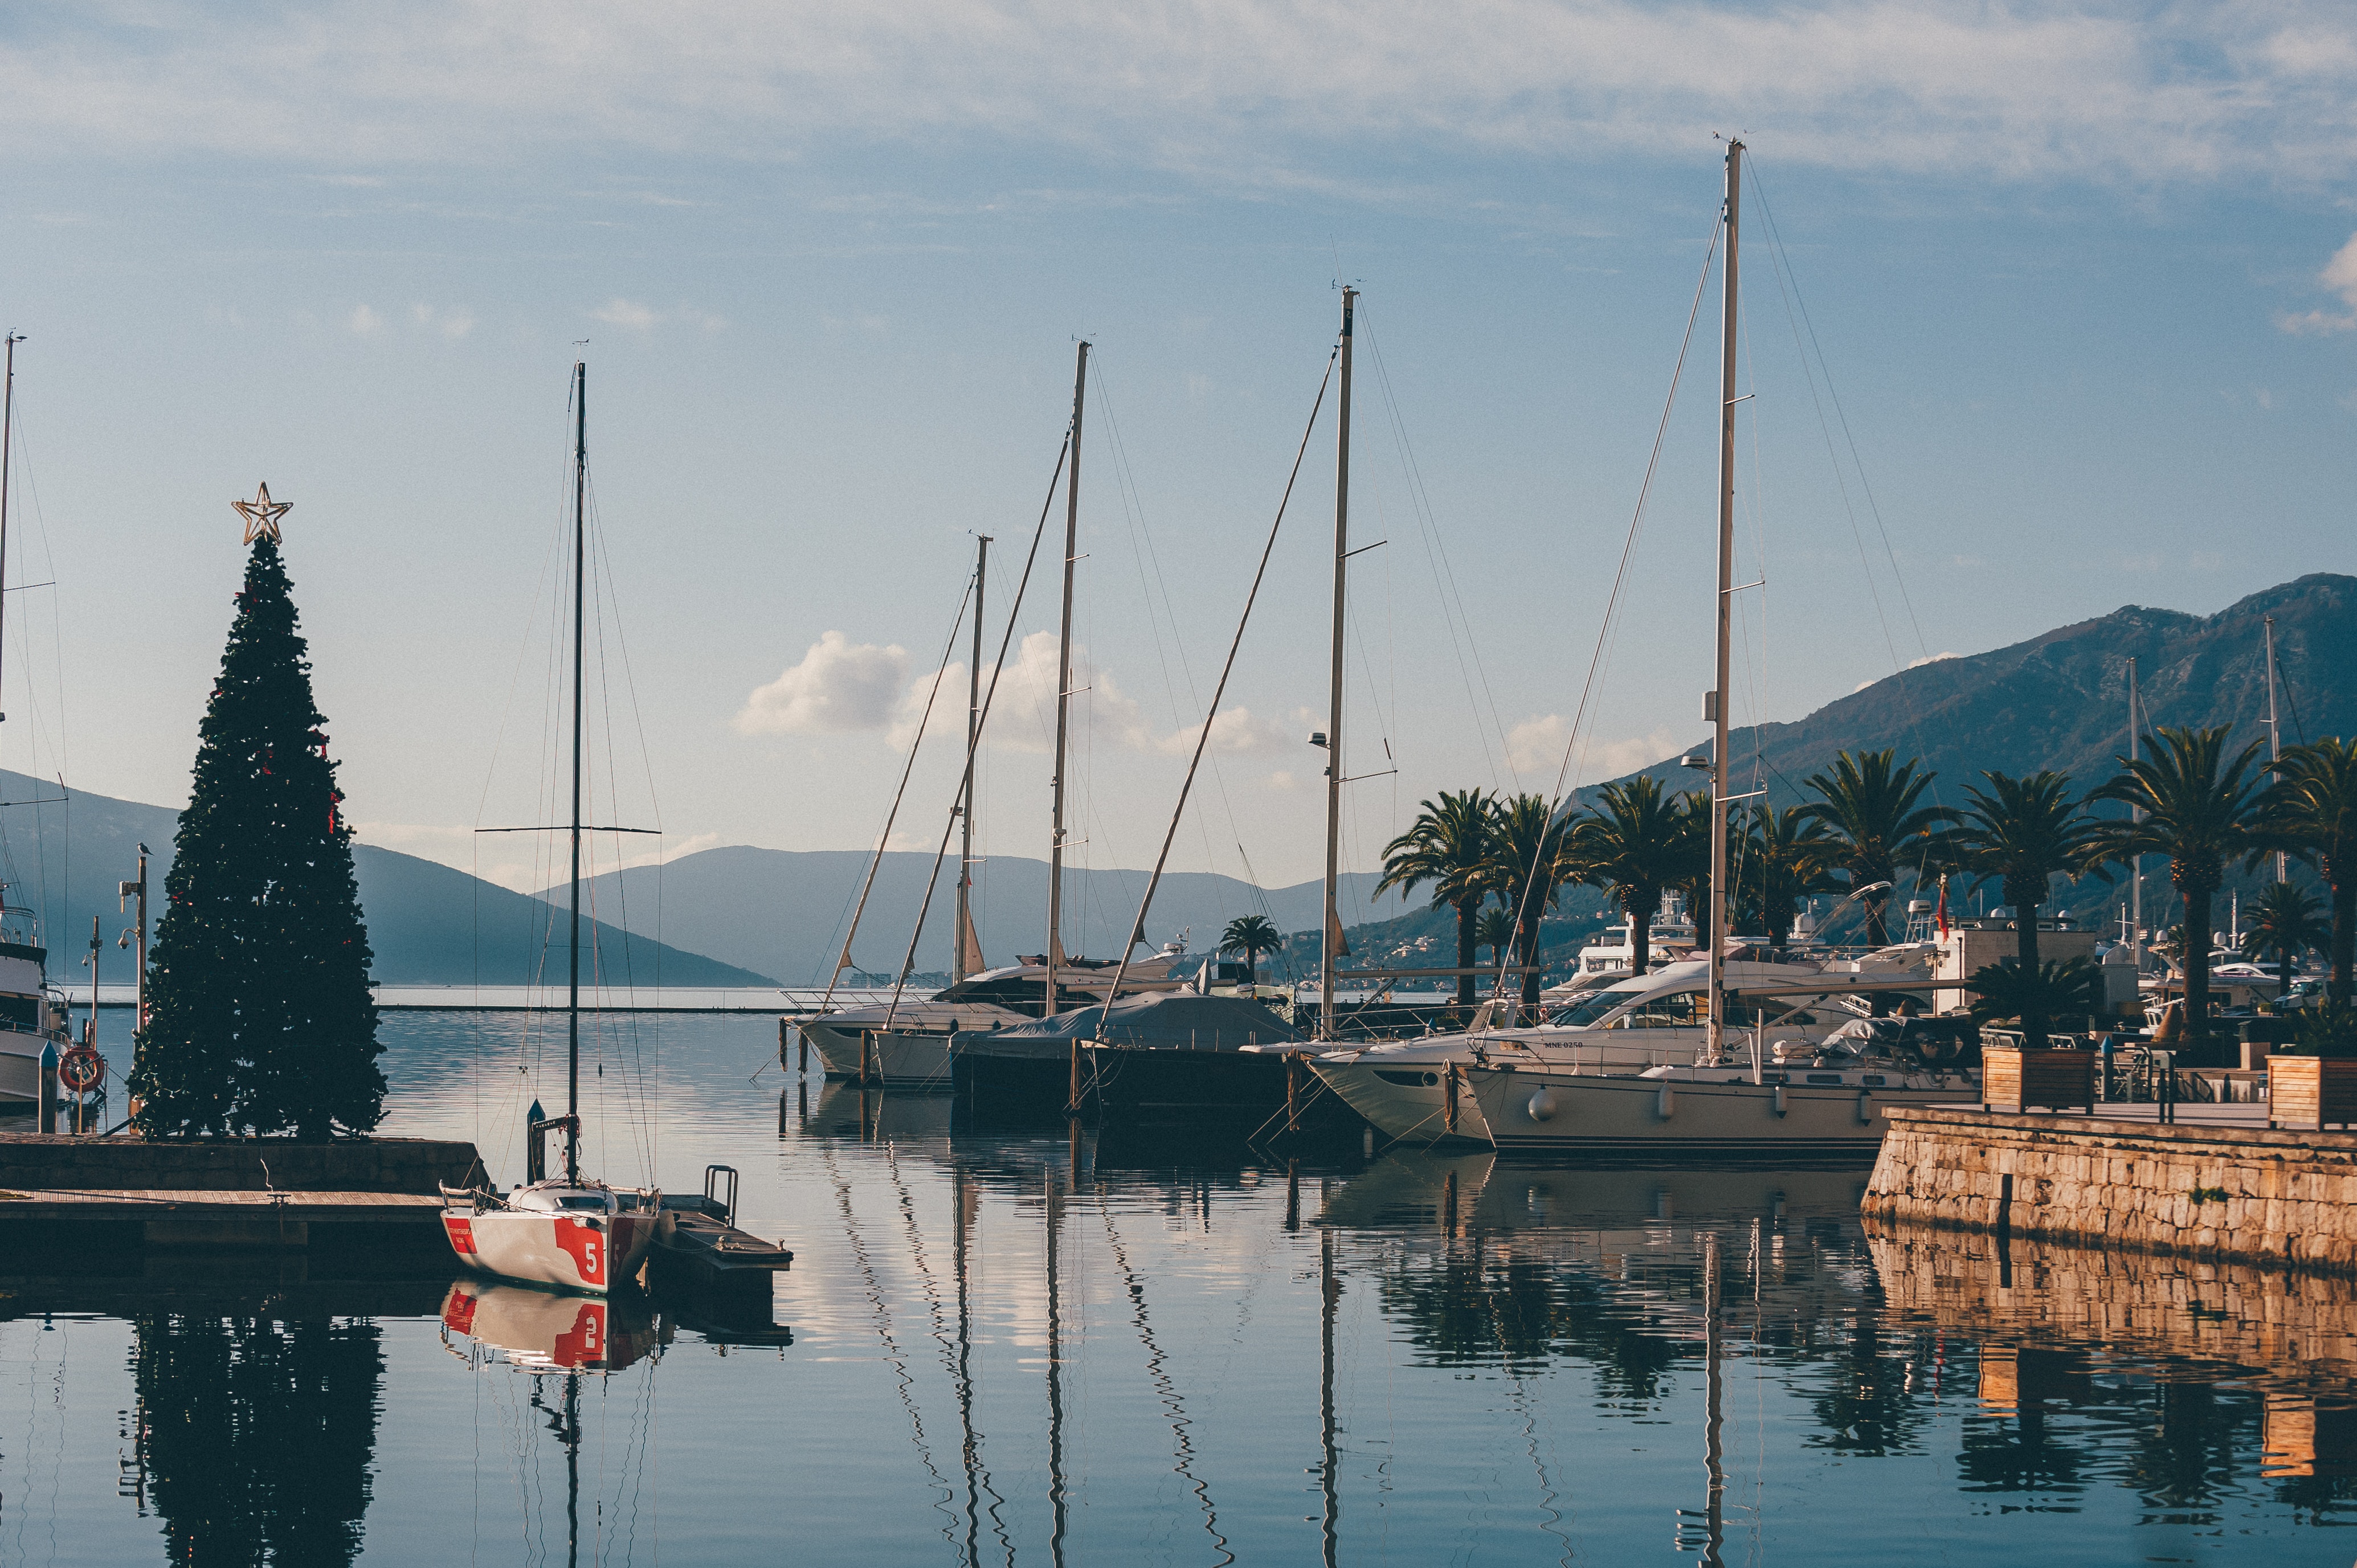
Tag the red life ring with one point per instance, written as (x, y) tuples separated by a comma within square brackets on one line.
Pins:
[(82, 1069)]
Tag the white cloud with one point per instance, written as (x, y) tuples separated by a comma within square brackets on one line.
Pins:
[(1246, 88), (1233, 731), (2339, 275), (949, 707), (626, 313), (364, 322), (1931, 658), (838, 687), (636, 318), (1023, 714), (1280, 780), (1535, 745), (451, 323)]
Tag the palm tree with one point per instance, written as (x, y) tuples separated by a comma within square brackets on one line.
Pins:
[(1787, 855), (1495, 931), (1873, 808), (1251, 935), (1449, 846), (1531, 856), (2284, 923), (2200, 809), (2024, 832), (2313, 805), (2074, 985), (1629, 843)]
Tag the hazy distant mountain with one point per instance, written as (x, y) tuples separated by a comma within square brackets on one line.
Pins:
[(427, 923), (2060, 700), (784, 913)]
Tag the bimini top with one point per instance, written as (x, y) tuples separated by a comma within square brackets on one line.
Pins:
[(1177, 1020)]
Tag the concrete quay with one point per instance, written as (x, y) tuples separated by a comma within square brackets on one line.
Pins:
[(2224, 1187)]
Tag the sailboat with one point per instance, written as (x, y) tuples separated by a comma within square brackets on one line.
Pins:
[(566, 1230), (1740, 1094)]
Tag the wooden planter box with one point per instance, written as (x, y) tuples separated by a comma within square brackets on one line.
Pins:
[(2013, 1078), (2310, 1091)]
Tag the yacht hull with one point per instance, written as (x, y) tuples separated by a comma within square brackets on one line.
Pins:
[(593, 1254), (1249, 1087), (1673, 1119), (1407, 1101), (20, 1075), (905, 1062)]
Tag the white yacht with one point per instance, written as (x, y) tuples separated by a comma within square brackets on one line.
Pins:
[(914, 1052), (32, 1018), (1771, 1098), (1653, 1020), (1670, 938)]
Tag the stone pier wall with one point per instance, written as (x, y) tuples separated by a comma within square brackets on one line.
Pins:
[(2246, 1194), (51, 1161)]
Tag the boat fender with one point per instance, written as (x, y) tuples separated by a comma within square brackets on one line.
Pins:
[(1543, 1105), (1776, 1101), (1665, 1103), (1865, 1109)]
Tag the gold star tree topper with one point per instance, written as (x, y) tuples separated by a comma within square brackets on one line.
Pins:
[(262, 514)]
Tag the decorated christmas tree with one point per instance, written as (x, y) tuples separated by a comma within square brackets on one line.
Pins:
[(260, 1017)]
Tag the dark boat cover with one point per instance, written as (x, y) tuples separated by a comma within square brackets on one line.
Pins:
[(1165, 1021)]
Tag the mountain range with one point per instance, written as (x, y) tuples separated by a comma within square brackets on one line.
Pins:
[(740, 916), (784, 913), (2060, 700), (64, 851)]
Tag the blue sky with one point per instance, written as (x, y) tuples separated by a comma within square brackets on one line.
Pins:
[(2077, 274)]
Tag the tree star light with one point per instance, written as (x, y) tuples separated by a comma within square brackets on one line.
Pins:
[(262, 514)]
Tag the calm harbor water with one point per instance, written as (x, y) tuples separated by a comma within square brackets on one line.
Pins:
[(1008, 1348)]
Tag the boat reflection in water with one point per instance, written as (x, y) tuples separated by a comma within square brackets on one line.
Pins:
[(541, 1331), (549, 1336)]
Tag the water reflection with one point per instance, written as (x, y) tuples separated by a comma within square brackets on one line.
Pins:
[(2213, 1370), (252, 1435), (1047, 1343)]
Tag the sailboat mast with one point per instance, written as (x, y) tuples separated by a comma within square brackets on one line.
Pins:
[(1718, 703), (2136, 863), (1333, 931), (2274, 730), (573, 901), (7, 445), (1064, 688), (965, 795)]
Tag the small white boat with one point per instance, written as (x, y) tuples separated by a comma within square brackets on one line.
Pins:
[(575, 1235)]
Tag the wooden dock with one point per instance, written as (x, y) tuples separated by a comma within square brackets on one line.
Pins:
[(169, 1216)]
